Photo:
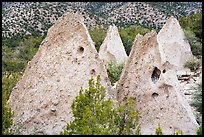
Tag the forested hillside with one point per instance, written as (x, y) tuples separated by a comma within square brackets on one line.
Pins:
[(41, 15)]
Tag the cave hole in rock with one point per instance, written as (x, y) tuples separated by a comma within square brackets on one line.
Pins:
[(155, 75), (154, 95), (93, 72), (164, 71), (80, 50)]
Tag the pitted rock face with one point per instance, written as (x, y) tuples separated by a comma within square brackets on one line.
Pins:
[(173, 45), (156, 89), (64, 63), (112, 48)]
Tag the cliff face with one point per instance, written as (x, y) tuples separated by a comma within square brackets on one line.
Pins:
[(112, 48), (155, 87), (64, 63)]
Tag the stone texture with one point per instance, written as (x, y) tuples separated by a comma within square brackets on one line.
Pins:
[(155, 87), (112, 48), (173, 45), (64, 63)]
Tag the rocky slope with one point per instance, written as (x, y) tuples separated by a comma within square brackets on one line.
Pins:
[(36, 17)]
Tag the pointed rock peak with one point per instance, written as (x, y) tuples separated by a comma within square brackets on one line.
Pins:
[(112, 48), (112, 30), (156, 89), (171, 21), (140, 39), (65, 20), (144, 50), (113, 24), (64, 63), (173, 44), (113, 27), (69, 24)]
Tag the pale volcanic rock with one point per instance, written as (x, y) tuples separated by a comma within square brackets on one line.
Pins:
[(112, 48), (155, 87), (64, 63), (173, 45)]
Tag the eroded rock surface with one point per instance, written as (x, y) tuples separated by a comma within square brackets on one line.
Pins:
[(173, 45), (155, 87), (112, 48), (64, 63)]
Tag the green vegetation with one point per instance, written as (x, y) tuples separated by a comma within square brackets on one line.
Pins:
[(195, 42), (197, 103), (129, 33), (7, 118), (192, 27), (114, 71), (199, 130), (98, 35), (197, 97), (17, 52), (9, 79), (13, 41), (159, 130), (178, 132), (94, 114), (10, 61), (193, 64), (193, 23)]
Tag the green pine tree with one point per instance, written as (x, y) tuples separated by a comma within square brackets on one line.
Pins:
[(199, 130), (95, 114), (197, 97), (9, 79), (159, 130), (114, 71)]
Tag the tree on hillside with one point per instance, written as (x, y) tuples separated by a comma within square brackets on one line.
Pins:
[(192, 27)]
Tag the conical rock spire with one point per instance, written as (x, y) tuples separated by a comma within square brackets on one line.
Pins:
[(173, 45), (112, 48), (64, 63)]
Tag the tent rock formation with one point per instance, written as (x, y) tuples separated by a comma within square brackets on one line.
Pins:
[(64, 63), (112, 48), (173, 45), (155, 87)]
